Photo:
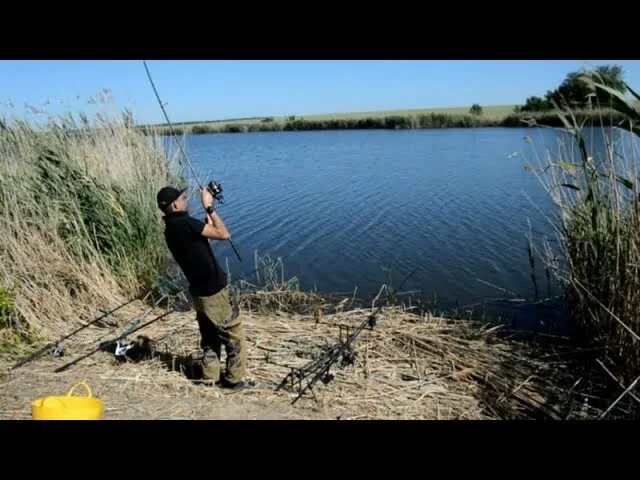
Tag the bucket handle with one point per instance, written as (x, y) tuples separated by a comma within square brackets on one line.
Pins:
[(84, 383)]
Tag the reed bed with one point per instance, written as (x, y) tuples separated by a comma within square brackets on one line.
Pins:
[(80, 228), (596, 255)]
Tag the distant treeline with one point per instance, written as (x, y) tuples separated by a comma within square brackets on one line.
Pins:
[(194, 122), (433, 120), (602, 117)]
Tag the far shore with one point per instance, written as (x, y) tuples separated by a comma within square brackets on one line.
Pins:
[(456, 117)]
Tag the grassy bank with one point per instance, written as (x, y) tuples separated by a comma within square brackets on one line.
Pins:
[(80, 229)]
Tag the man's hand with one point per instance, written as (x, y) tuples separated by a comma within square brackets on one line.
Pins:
[(215, 227), (206, 197)]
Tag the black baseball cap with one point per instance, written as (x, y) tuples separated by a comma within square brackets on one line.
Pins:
[(167, 195)]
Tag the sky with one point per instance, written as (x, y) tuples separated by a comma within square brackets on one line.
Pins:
[(216, 89)]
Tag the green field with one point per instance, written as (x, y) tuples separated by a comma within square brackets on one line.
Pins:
[(444, 117), (490, 112)]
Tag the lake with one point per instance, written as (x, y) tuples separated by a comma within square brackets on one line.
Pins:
[(346, 209)]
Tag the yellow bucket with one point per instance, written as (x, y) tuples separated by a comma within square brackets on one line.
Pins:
[(67, 407)]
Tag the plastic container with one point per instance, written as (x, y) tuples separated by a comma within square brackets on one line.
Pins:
[(68, 407)]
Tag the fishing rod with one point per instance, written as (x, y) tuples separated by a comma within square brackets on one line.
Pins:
[(214, 187), (132, 326), (120, 347), (112, 342), (319, 368), (54, 345)]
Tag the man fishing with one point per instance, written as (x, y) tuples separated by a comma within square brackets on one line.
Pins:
[(218, 320)]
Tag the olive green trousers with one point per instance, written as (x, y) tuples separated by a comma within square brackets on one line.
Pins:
[(220, 324)]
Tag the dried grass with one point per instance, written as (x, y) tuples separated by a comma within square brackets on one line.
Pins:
[(407, 367)]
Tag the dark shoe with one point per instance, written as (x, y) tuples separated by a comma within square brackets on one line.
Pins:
[(238, 386)]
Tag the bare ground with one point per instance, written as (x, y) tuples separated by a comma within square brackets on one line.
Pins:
[(407, 367)]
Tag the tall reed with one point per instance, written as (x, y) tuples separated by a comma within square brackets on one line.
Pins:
[(80, 227), (598, 228)]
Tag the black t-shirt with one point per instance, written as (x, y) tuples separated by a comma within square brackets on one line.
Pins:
[(192, 252)]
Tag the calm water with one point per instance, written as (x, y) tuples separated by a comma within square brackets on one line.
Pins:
[(341, 206)]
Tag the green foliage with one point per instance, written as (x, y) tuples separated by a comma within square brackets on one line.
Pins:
[(6, 304), (576, 93), (475, 109)]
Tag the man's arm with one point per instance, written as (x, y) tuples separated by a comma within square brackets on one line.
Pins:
[(215, 227)]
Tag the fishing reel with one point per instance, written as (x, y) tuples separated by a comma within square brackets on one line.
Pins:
[(327, 377), (372, 321), (58, 351), (118, 348), (128, 350), (215, 189), (348, 357)]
